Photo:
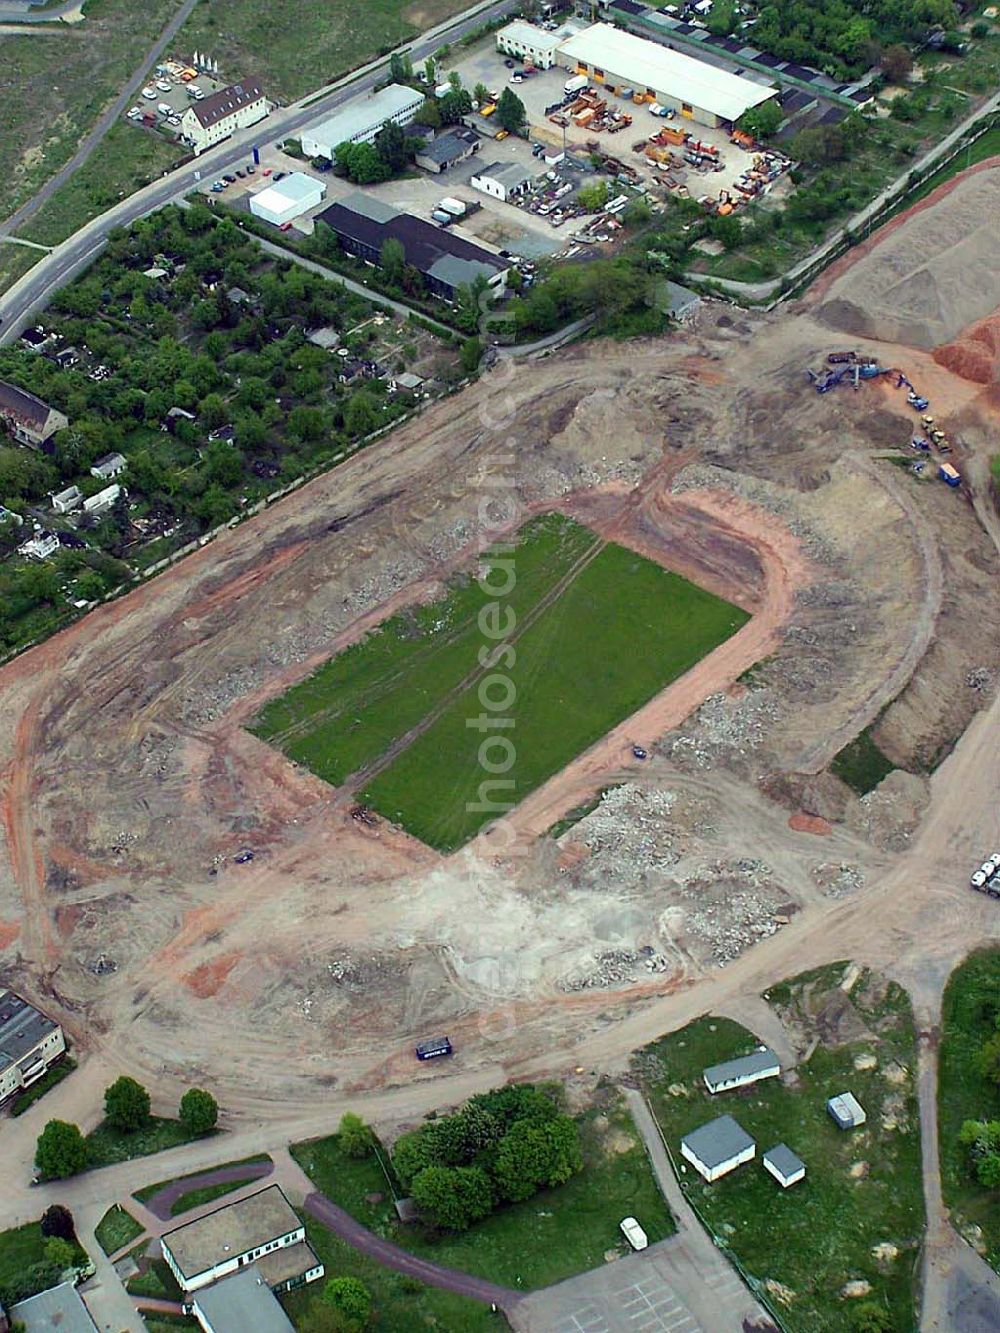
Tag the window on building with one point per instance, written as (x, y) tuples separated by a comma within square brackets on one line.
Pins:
[(687, 109), (598, 73)]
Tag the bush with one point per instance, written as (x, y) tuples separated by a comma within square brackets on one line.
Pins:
[(198, 1111), (58, 1221), (352, 1299), (356, 1138)]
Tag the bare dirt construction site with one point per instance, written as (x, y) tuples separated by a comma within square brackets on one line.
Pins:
[(130, 781)]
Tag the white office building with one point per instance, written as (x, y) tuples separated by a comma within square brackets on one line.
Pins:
[(361, 121), (533, 45)]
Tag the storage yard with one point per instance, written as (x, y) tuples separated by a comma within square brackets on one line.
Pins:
[(699, 841)]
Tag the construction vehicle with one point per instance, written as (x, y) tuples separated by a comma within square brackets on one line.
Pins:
[(949, 475), (839, 358), (638, 752), (918, 442), (243, 857), (430, 1050), (915, 400)]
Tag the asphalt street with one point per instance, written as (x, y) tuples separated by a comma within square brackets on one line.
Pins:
[(31, 292)]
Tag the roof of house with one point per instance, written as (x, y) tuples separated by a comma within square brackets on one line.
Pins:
[(451, 146), (407, 380), (745, 1065), (110, 461), (70, 493), (718, 1141), (652, 66), (324, 337), (528, 35), (242, 1303), (296, 188), (361, 117), (509, 174), (433, 251), (22, 1026), (23, 405), (224, 103), (231, 1230), (681, 299), (784, 1161), (286, 1262), (58, 1310)]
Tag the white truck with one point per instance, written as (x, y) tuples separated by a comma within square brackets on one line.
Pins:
[(634, 1233), (452, 206), (987, 878), (576, 84)]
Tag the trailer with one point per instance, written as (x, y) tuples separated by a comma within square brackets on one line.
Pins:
[(949, 475), (453, 206)]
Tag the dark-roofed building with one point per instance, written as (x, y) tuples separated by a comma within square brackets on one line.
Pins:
[(29, 1043), (445, 261), (454, 145), (58, 1310), (718, 1147), (29, 420), (263, 1229), (738, 1073), (217, 117), (243, 1303)]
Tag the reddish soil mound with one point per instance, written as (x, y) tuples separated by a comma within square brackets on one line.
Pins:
[(9, 931), (975, 353), (800, 822), (208, 979)]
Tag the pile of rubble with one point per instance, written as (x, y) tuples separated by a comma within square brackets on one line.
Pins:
[(733, 905), (627, 834), (837, 880), (616, 967), (979, 679)]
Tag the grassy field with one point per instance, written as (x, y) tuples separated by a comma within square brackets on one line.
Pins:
[(20, 1248), (551, 1236), (148, 1191), (55, 87), (127, 159), (116, 1228), (862, 1189), (106, 1145), (313, 45), (421, 668), (971, 1006), (861, 764)]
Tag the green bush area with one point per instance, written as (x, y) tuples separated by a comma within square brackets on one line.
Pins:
[(154, 1278), (420, 673), (52, 1076), (26, 1263), (862, 1191), (116, 1228), (968, 1091), (550, 1233), (107, 1145), (861, 764)]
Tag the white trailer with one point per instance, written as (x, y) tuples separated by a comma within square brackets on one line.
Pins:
[(576, 84), (453, 206)]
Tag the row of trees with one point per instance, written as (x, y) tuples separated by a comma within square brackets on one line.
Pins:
[(61, 1150)]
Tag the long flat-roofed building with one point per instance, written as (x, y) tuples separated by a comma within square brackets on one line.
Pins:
[(29, 1043), (696, 90), (361, 121), (263, 1229)]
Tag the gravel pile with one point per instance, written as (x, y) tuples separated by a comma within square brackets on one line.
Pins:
[(616, 967), (837, 880), (628, 834), (733, 923)]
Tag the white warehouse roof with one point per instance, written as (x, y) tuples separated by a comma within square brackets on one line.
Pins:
[(652, 66), (362, 117), (288, 199)]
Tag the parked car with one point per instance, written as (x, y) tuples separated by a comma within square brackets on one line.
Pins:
[(149, 94), (502, 134), (280, 175), (243, 857), (242, 174), (229, 179), (164, 109), (509, 64), (163, 85), (516, 78), (218, 187), (267, 171), (134, 113), (174, 122), (285, 226), (251, 169), (199, 93)]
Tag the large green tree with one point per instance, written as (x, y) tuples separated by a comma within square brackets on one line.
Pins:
[(452, 1198), (199, 1111), (61, 1150), (510, 111), (352, 1299), (126, 1105)]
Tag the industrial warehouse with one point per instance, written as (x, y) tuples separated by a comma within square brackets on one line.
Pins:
[(361, 121), (616, 59)]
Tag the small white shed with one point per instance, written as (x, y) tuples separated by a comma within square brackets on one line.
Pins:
[(289, 199), (846, 1110), (784, 1165)]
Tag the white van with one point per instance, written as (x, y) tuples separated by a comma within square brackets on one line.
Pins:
[(634, 1233)]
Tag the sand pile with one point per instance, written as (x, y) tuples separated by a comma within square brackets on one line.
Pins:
[(929, 277), (975, 354)]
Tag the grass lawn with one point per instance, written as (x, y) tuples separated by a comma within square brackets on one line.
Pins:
[(15, 261), (168, 1323), (147, 1192), (862, 1188), (528, 1245), (105, 1145), (127, 159), (20, 1248), (55, 87), (861, 764), (971, 1006), (421, 667), (49, 1079), (401, 1303), (312, 45), (116, 1228)]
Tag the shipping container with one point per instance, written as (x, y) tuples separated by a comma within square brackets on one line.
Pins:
[(948, 474)]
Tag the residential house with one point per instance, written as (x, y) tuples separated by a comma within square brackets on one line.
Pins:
[(263, 1230), (846, 1110), (109, 467), (40, 545), (217, 117), (784, 1165), (502, 180), (445, 261), (30, 1042), (243, 1303), (29, 420), (739, 1073), (101, 502), (406, 382), (326, 338), (175, 414), (58, 1310), (64, 502), (717, 1148), (451, 146)]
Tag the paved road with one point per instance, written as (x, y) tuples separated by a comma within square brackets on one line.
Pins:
[(31, 291), (17, 14), (160, 1204), (104, 123)]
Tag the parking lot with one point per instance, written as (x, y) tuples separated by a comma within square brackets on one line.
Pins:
[(171, 89)]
